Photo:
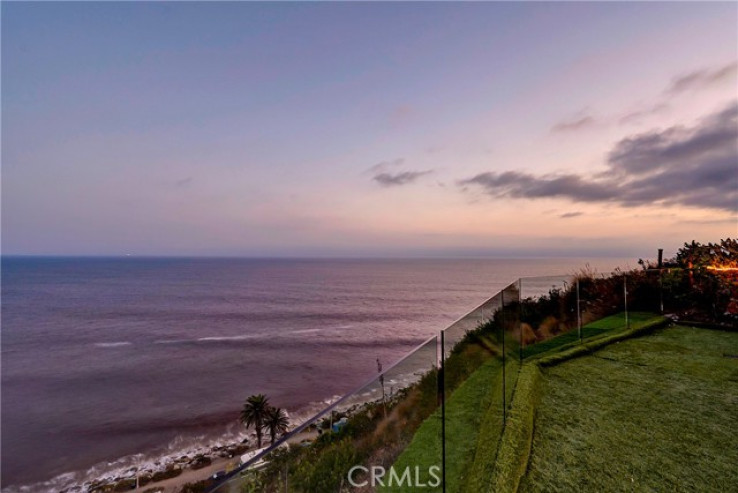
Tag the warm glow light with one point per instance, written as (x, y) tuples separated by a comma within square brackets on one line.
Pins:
[(721, 268)]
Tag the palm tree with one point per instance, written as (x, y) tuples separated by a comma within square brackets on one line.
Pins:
[(276, 422), (254, 412)]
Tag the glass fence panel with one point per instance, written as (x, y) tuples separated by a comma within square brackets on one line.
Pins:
[(474, 400), (483, 313), (356, 442), (676, 285), (409, 441), (645, 291), (603, 303), (509, 321), (549, 315), (703, 293)]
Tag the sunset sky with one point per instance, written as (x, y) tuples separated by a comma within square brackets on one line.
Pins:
[(382, 129)]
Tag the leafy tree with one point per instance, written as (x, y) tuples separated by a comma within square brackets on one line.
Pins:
[(276, 422), (695, 254), (254, 414), (707, 284)]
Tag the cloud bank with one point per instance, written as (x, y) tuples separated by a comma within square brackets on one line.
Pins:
[(703, 78), (383, 166), (404, 178), (696, 167), (571, 214), (578, 123)]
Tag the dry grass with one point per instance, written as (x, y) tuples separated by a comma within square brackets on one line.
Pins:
[(529, 335)]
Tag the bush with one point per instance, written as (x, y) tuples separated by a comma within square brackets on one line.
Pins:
[(125, 485), (512, 458), (198, 487), (170, 472), (327, 470), (200, 461)]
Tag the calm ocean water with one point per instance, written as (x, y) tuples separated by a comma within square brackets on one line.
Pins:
[(106, 358)]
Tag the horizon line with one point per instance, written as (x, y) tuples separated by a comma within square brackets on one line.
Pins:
[(311, 257)]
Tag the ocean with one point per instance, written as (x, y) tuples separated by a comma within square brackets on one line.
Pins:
[(112, 362)]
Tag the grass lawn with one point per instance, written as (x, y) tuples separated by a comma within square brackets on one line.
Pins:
[(465, 409), (656, 413), (597, 328)]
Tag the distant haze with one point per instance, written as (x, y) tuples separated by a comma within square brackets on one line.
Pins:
[(368, 129)]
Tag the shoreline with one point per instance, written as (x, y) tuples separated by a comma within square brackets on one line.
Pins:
[(229, 445), (208, 456), (99, 478), (173, 466), (173, 485), (199, 460)]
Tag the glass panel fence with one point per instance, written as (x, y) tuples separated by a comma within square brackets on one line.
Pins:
[(549, 314), (413, 426), (482, 314), (645, 293), (357, 442), (509, 321), (603, 304), (676, 287), (473, 406), (699, 292)]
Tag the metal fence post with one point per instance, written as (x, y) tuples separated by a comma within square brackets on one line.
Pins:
[(661, 290), (625, 300), (442, 384), (502, 326), (520, 317), (579, 314)]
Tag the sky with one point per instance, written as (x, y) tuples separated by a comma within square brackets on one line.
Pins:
[(368, 129)]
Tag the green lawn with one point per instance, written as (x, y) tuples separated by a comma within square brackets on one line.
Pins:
[(656, 413), (591, 330), (465, 409)]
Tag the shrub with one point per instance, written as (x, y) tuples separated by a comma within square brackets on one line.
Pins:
[(198, 487), (326, 471), (125, 485), (200, 461), (512, 458), (170, 472)]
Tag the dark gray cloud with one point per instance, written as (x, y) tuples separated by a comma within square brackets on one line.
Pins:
[(577, 123), (404, 178), (570, 214), (514, 184), (695, 166), (678, 147), (700, 79), (183, 182), (384, 166)]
